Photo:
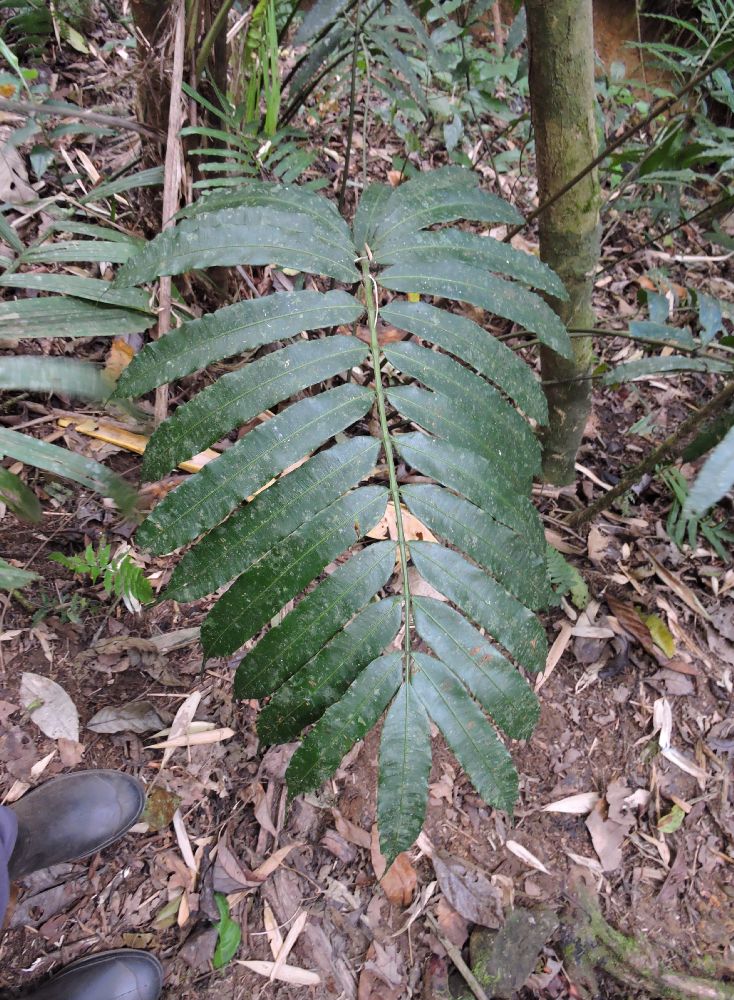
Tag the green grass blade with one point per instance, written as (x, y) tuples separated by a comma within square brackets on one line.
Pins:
[(76, 251), (253, 530), (60, 462), (343, 724), (314, 621), (204, 500), (405, 766), (78, 379), (19, 498), (257, 595), (454, 280), (323, 680), (59, 316), (484, 600), (100, 292), (234, 330), (715, 478), (471, 343), (12, 578), (658, 365), (467, 731), (474, 661), (238, 397)]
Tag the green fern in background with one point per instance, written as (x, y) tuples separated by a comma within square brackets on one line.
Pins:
[(353, 646)]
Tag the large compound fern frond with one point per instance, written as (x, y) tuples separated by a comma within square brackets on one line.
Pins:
[(451, 403)]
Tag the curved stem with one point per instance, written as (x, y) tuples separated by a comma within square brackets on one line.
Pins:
[(370, 298)]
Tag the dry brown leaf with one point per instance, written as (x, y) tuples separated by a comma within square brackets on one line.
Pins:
[(413, 529), (181, 722), (193, 739), (262, 810), (596, 545), (49, 706), (574, 805), (631, 623), (678, 587), (385, 334), (452, 924), (286, 974), (275, 860), (293, 934), (468, 890), (119, 357), (272, 930), (379, 863), (399, 881), (351, 832), (526, 856), (607, 838)]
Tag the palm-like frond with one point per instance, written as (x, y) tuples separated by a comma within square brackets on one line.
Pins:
[(455, 408)]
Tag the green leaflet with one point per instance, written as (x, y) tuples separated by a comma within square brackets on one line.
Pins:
[(144, 178), (455, 420), (467, 732), (262, 194), (369, 213), (60, 462), (468, 341), (480, 402), (234, 330), (74, 251), (92, 289), (659, 365), (454, 280), (12, 578), (405, 766), (325, 678), (243, 236), (238, 397), (488, 604), (68, 317), (440, 196), (19, 498), (646, 330), (78, 379), (204, 500), (479, 665), (343, 724), (504, 553), (479, 480), (254, 529), (715, 478), (481, 251), (314, 621), (258, 594)]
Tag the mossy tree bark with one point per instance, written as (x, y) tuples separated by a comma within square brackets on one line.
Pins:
[(561, 42)]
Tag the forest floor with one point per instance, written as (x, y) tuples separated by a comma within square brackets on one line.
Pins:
[(652, 837)]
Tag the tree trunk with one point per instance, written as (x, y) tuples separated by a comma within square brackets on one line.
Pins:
[(561, 42)]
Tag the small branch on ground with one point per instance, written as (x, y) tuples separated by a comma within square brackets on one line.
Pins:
[(671, 448)]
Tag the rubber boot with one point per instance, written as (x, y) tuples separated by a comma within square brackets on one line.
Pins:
[(73, 816), (125, 974)]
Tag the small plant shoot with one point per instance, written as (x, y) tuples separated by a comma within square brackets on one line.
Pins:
[(448, 405)]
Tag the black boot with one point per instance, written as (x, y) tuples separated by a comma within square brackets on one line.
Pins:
[(73, 816), (125, 974)]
